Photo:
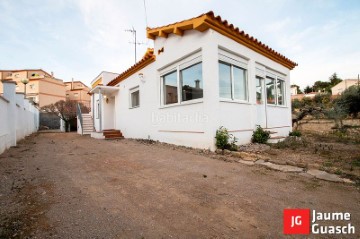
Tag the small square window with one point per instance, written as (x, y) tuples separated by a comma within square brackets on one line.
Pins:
[(135, 97)]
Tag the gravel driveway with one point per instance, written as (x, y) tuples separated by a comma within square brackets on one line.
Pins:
[(69, 186)]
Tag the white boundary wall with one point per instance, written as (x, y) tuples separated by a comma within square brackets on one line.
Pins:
[(18, 117)]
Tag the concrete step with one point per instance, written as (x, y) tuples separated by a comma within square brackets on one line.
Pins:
[(276, 139), (112, 134)]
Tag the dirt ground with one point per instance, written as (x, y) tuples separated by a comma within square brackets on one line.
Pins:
[(56, 185), (323, 148)]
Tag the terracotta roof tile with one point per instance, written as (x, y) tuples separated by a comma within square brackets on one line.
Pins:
[(209, 20)]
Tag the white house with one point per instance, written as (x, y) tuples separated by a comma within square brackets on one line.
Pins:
[(203, 73), (343, 85)]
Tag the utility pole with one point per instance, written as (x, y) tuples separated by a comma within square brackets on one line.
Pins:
[(133, 31)]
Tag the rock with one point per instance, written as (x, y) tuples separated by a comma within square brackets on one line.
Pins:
[(346, 180), (245, 156), (283, 168), (325, 176), (260, 161), (246, 162), (227, 152), (218, 151)]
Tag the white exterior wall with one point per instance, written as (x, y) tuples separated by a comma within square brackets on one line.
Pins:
[(18, 117), (195, 124), (342, 86)]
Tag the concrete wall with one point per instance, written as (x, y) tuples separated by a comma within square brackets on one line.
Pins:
[(18, 117)]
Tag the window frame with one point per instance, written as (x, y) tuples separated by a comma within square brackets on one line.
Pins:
[(131, 91), (233, 64), (264, 72), (185, 63), (284, 104)]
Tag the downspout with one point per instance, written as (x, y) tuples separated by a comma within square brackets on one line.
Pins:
[(100, 110)]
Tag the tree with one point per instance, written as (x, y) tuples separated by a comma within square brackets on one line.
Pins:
[(350, 100), (308, 89), (334, 79), (322, 86), (65, 110)]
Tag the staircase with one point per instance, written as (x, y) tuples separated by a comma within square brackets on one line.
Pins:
[(112, 134), (88, 124), (275, 138)]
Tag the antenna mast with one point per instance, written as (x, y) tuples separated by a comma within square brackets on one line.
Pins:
[(133, 31)]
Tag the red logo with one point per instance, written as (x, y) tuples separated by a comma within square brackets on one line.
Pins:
[(297, 221)]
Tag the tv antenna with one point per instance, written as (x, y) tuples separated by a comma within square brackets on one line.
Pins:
[(133, 31)]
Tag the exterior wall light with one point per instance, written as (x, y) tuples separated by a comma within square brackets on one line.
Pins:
[(141, 77)]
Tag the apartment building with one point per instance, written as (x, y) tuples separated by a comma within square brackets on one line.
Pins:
[(77, 90), (42, 88)]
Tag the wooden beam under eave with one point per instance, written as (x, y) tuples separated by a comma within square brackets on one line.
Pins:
[(163, 34), (150, 36), (178, 32), (200, 26)]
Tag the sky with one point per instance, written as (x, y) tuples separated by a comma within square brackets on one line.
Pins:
[(80, 38)]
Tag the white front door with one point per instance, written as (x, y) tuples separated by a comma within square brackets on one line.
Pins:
[(260, 102)]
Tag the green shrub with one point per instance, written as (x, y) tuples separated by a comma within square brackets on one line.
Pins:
[(296, 133), (223, 138), (260, 135)]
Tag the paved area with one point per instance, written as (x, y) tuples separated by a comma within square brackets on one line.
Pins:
[(58, 185)]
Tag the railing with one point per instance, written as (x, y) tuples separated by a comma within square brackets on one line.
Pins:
[(79, 115)]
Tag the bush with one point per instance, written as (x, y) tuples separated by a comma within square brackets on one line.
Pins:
[(350, 100), (296, 133), (222, 139), (260, 135)]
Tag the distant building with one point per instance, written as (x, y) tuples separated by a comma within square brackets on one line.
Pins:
[(77, 90), (103, 78), (293, 90), (343, 85), (43, 88)]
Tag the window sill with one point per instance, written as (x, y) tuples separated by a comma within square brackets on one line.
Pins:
[(190, 102), (135, 107), (277, 106), (235, 101)]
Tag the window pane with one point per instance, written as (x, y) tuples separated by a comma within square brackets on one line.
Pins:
[(225, 80), (135, 99), (259, 90), (239, 83), (270, 90), (280, 92), (192, 84), (170, 88)]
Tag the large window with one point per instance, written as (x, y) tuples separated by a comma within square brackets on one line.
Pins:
[(280, 90), (185, 83), (259, 90), (170, 88), (275, 91), (232, 82), (270, 90), (191, 82), (134, 97)]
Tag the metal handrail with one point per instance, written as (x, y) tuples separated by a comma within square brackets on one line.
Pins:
[(79, 115)]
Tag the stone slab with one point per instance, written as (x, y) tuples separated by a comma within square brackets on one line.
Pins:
[(325, 176)]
